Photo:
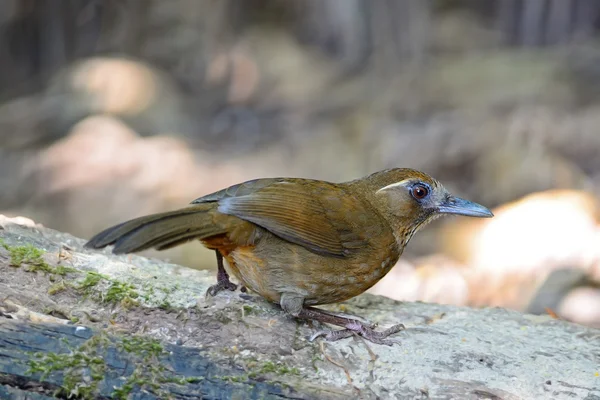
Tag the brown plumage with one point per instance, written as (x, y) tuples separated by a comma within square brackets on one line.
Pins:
[(301, 242)]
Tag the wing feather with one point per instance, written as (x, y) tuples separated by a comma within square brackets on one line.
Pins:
[(313, 214)]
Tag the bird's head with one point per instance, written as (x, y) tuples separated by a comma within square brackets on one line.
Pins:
[(410, 199)]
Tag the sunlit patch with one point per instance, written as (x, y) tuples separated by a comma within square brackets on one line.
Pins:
[(554, 227)]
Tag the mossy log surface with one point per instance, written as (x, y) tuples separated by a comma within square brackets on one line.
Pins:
[(95, 325), (144, 369)]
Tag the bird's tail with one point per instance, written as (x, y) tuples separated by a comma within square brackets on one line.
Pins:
[(160, 231)]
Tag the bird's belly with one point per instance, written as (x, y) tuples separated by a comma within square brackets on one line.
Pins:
[(343, 281), (252, 271), (288, 268)]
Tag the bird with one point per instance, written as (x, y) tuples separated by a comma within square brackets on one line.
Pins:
[(301, 243)]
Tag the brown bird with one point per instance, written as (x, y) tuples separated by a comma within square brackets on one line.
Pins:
[(302, 242)]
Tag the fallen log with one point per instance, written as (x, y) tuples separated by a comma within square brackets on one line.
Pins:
[(88, 324)]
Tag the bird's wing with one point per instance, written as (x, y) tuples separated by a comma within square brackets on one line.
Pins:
[(318, 215)]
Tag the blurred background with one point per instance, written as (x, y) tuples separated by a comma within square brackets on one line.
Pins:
[(111, 109)]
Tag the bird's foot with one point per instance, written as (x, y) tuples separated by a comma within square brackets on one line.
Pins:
[(352, 326), (359, 328), (223, 282), (221, 285)]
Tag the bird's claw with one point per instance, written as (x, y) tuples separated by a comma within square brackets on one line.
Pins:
[(220, 286), (358, 328)]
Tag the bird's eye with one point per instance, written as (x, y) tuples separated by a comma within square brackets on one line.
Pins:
[(419, 192)]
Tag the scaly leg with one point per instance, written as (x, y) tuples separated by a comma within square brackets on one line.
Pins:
[(223, 281), (351, 327)]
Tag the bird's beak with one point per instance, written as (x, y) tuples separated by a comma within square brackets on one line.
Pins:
[(458, 206)]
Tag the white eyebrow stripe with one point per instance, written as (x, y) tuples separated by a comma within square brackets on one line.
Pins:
[(394, 185)]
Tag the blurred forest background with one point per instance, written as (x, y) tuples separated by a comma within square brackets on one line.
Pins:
[(111, 109)]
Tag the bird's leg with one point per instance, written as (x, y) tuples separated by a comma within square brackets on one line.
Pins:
[(223, 281), (351, 327)]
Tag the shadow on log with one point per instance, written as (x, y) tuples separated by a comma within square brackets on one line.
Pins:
[(94, 325)]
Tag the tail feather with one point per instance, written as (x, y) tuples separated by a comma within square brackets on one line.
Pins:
[(180, 239), (160, 231)]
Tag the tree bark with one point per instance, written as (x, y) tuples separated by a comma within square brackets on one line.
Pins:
[(75, 321)]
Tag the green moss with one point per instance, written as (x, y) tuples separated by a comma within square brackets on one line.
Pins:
[(117, 292), (33, 258), (20, 255), (90, 280), (142, 347), (235, 378), (316, 358), (268, 367), (293, 371), (63, 270), (165, 305), (83, 368), (279, 369), (57, 287), (248, 309), (166, 290), (258, 369), (149, 373), (148, 293), (121, 292)]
